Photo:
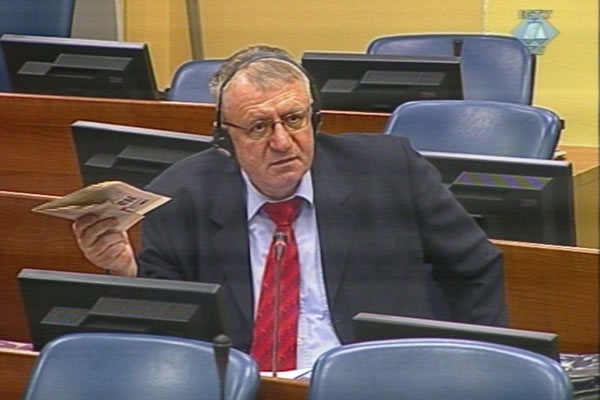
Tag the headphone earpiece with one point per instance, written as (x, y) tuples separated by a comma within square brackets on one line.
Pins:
[(316, 121), (221, 141)]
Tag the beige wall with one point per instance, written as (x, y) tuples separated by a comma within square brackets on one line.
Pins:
[(343, 25), (567, 73), (297, 26), (163, 25)]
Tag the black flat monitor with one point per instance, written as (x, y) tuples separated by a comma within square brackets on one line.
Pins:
[(78, 67), (129, 154), (369, 326), (521, 199), (57, 303), (369, 82)]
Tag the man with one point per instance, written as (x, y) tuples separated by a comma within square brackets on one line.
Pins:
[(368, 215)]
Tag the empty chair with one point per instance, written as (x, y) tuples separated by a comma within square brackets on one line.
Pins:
[(190, 82), (33, 17), (477, 127), (425, 369), (494, 67), (113, 366)]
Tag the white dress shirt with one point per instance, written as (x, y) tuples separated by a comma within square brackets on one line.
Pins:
[(315, 330)]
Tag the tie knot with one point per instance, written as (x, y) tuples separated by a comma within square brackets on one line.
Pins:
[(284, 212)]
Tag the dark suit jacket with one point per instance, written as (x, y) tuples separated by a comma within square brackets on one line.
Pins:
[(387, 227)]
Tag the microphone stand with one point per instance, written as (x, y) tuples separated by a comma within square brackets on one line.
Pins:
[(280, 239), (221, 346), (457, 45)]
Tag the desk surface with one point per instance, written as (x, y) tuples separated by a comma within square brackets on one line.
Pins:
[(584, 158)]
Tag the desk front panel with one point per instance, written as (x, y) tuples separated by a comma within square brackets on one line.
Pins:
[(548, 288)]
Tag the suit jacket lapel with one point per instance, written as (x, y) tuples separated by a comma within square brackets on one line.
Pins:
[(231, 238), (335, 219)]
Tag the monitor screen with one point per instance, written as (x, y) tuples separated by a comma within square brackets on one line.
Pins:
[(369, 82), (57, 303), (129, 154), (511, 198), (368, 326), (78, 67)]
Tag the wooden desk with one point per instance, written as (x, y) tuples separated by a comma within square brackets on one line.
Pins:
[(548, 288), (554, 289), (37, 154), (30, 240), (15, 367), (585, 191)]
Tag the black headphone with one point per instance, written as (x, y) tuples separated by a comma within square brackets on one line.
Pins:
[(221, 139)]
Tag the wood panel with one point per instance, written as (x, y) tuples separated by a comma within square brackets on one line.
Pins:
[(31, 240), (548, 288), (554, 289), (15, 367), (36, 153), (282, 389), (36, 150)]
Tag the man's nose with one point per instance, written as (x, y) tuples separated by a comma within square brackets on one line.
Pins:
[(280, 138)]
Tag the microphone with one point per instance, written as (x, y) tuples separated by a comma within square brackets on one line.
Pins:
[(221, 346), (280, 240), (280, 244)]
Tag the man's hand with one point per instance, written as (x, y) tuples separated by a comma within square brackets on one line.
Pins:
[(104, 246)]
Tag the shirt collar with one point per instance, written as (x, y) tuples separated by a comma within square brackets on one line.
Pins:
[(255, 199)]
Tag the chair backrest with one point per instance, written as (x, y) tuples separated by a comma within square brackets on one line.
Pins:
[(477, 127), (493, 67), (190, 81), (424, 369), (129, 366), (33, 17)]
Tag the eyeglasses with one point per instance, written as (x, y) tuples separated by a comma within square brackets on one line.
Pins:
[(260, 129)]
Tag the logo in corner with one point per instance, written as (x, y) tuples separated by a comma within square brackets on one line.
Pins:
[(535, 31)]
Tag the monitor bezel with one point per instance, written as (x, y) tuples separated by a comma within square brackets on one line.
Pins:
[(90, 138), (150, 90), (41, 290), (558, 170), (373, 326), (314, 63)]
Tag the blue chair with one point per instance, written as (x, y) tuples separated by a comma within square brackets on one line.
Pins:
[(114, 366), (33, 17), (190, 82), (425, 369), (494, 67), (477, 127)]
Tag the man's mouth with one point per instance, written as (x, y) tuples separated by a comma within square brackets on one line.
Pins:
[(283, 161)]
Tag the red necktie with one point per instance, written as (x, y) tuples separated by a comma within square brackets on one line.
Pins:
[(282, 214)]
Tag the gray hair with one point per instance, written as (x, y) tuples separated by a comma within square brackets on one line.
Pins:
[(265, 67)]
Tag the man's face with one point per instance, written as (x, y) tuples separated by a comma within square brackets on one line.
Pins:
[(275, 163)]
